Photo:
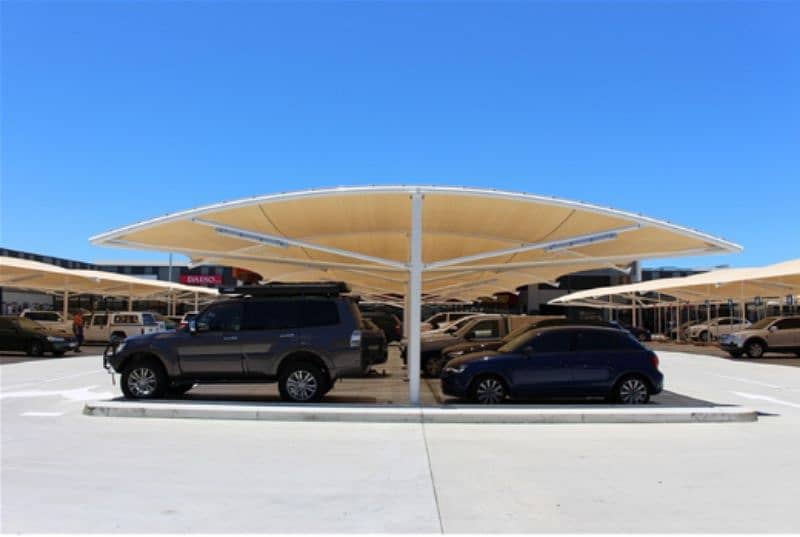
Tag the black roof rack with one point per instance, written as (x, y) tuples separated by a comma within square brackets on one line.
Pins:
[(291, 289)]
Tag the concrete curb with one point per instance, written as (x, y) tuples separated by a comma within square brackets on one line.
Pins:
[(414, 414)]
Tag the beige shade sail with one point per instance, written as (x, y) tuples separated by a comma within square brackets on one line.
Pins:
[(474, 241), (36, 276), (779, 280)]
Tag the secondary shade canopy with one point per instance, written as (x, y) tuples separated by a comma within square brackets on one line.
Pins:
[(778, 280), (474, 241), (36, 276)]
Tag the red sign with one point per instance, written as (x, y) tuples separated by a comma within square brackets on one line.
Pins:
[(201, 279)]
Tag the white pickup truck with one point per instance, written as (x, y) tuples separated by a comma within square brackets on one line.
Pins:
[(117, 325)]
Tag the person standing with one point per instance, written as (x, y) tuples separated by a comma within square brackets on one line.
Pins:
[(77, 329)]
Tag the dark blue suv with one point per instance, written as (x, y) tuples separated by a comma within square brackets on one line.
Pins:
[(558, 362)]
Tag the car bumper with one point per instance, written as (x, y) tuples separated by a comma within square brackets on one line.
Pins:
[(730, 347), (455, 385), (62, 346)]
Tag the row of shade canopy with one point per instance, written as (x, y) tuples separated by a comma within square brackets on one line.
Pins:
[(780, 280), (44, 277)]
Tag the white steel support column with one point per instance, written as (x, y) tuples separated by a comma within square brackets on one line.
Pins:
[(65, 309), (406, 310), (196, 300), (414, 298)]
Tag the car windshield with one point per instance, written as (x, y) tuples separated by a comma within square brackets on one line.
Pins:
[(519, 342), (763, 323), (518, 332), (458, 325)]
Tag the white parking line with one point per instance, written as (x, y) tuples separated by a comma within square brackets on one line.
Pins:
[(75, 394), (43, 414), (76, 375), (767, 398), (748, 381)]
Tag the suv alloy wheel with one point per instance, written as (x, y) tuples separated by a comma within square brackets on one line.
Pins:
[(302, 382), (143, 379)]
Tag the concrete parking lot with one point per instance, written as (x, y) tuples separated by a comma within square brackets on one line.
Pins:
[(66, 472)]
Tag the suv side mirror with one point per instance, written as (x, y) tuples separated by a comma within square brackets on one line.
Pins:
[(773, 328)]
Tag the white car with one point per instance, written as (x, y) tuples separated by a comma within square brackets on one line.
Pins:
[(714, 328), (49, 319), (118, 325), (441, 321)]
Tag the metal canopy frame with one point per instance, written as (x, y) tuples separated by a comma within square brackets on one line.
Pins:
[(384, 269)]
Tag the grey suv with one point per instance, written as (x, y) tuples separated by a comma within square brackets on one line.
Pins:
[(304, 343)]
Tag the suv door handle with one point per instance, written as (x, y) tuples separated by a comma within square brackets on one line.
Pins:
[(286, 335), (230, 338)]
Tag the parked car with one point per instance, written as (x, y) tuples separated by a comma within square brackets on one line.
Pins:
[(558, 362), (779, 334), (460, 349), (389, 323), (302, 336), (683, 330), (184, 322), (444, 319), (373, 344), (713, 329), (50, 319), (32, 338), (489, 327), (115, 326)]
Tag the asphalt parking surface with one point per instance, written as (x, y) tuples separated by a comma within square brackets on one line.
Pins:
[(66, 472)]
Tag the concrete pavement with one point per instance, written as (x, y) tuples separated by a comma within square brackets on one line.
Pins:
[(66, 472)]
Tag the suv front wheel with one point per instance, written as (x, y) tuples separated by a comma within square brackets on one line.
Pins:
[(302, 382), (143, 379)]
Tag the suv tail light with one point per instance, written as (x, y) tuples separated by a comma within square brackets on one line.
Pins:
[(355, 338), (654, 359)]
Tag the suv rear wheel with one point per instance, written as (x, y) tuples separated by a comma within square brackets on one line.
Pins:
[(302, 382), (143, 379)]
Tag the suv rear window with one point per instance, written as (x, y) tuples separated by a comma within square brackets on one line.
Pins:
[(319, 313), (277, 314)]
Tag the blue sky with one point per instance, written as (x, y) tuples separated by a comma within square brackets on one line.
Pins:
[(116, 112)]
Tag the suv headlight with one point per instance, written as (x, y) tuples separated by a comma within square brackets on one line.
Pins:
[(54, 338), (455, 368)]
